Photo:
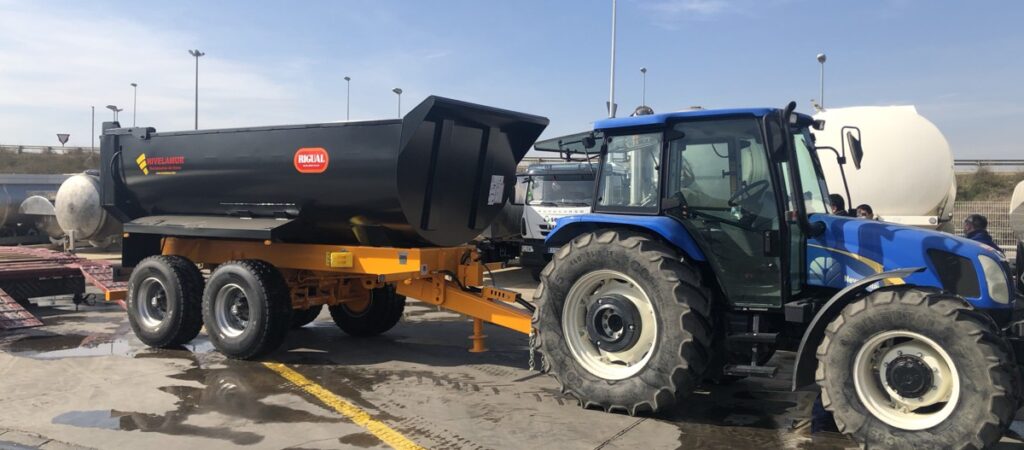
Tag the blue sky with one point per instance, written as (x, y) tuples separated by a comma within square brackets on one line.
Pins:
[(278, 62)]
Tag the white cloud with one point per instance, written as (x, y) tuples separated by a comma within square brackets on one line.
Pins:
[(688, 7)]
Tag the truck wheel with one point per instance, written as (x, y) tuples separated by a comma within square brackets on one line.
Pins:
[(621, 322), (247, 309), (303, 317), (909, 367), (380, 313), (165, 301)]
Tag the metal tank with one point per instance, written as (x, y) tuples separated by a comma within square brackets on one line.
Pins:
[(80, 213), (15, 189), (1017, 211), (437, 177), (907, 171)]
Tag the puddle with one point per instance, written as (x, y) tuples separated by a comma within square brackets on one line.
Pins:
[(362, 440), (237, 390), (59, 346)]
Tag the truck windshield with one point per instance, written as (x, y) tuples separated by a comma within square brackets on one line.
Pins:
[(560, 190)]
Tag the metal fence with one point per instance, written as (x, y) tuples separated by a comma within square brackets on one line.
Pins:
[(998, 215)]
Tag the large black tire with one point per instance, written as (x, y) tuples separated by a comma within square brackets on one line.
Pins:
[(177, 285), (267, 310), (303, 317), (381, 314), (988, 376), (679, 354)]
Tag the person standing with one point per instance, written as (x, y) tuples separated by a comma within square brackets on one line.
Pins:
[(976, 229), (865, 212), (838, 205)]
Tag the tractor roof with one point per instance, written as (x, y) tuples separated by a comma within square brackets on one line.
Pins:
[(660, 119)]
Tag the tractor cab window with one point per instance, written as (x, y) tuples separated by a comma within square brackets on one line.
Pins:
[(811, 179), (629, 173), (720, 170)]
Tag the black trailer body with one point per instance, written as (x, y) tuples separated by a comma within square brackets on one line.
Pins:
[(437, 177)]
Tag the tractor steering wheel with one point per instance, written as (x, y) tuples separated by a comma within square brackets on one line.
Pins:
[(750, 190)]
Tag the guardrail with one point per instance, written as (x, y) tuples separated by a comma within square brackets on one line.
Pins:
[(46, 149)]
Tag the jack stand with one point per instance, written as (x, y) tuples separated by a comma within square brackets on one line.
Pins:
[(478, 337)]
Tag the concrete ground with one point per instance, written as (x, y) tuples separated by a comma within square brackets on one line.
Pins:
[(84, 381)]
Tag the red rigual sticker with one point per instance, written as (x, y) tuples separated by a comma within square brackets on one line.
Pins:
[(311, 160)]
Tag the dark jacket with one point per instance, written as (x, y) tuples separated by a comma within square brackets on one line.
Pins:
[(985, 238)]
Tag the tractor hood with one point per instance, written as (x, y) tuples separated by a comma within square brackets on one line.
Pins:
[(851, 249)]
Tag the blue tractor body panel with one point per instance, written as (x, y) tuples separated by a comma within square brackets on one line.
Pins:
[(669, 229), (851, 249)]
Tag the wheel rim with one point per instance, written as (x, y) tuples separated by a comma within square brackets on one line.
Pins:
[(151, 303), (906, 380), (231, 310), (609, 324)]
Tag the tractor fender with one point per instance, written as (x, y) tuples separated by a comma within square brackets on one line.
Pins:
[(806, 358), (667, 228)]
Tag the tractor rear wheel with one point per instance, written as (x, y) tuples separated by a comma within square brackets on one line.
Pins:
[(908, 367), (622, 323), (377, 315), (247, 308), (165, 301)]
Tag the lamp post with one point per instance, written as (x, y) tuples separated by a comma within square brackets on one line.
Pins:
[(399, 92), (196, 53), (348, 98), (135, 101), (643, 89), (611, 83), (115, 110), (821, 80), (92, 128)]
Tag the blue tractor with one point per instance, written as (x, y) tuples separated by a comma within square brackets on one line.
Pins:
[(711, 246)]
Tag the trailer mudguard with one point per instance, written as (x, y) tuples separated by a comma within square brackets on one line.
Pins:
[(669, 229), (803, 369)]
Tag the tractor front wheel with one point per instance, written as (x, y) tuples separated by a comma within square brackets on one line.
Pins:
[(908, 367)]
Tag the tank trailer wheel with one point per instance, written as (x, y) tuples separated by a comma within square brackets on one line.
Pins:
[(381, 313), (165, 301), (303, 317), (621, 323), (247, 309), (908, 367)]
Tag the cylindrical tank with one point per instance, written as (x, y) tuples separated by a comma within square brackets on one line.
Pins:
[(16, 188), (907, 171), (439, 176), (1017, 211), (79, 211)]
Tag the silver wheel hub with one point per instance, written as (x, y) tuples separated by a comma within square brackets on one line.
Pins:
[(231, 310), (151, 303), (609, 324), (906, 380)]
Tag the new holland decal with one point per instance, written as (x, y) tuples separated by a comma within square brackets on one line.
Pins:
[(311, 160)]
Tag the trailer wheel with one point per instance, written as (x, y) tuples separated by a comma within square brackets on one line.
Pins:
[(378, 315), (165, 301), (622, 322), (247, 308), (914, 367), (303, 317)]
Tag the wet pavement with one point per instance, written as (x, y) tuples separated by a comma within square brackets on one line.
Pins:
[(84, 381)]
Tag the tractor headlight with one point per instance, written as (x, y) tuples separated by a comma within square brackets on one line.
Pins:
[(995, 278)]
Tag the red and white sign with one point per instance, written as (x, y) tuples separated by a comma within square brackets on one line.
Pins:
[(311, 160)]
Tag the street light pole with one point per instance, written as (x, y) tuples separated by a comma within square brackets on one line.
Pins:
[(399, 92), (196, 53), (611, 84), (348, 98), (92, 128), (643, 90), (135, 101), (821, 80)]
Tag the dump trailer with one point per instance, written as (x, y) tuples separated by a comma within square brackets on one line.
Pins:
[(710, 247), (355, 215)]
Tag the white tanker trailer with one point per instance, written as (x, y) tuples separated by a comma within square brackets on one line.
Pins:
[(907, 171)]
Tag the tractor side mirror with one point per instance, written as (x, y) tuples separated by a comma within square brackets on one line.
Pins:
[(856, 151)]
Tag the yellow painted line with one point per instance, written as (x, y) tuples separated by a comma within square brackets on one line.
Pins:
[(874, 265), (383, 432)]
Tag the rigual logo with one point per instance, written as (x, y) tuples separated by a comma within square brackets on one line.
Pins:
[(311, 160), (141, 161)]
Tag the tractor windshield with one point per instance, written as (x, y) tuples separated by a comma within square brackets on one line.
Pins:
[(811, 179)]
